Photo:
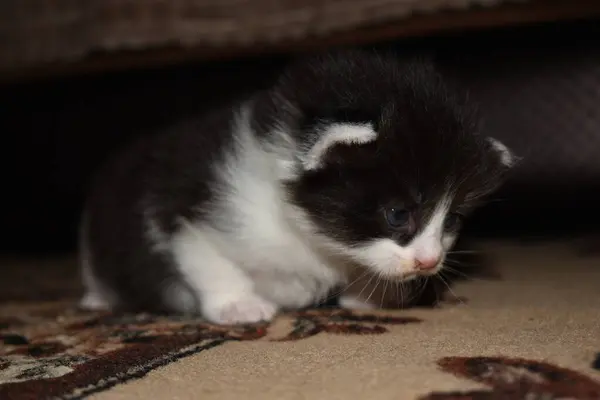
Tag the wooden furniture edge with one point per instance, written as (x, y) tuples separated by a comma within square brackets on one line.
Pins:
[(510, 14)]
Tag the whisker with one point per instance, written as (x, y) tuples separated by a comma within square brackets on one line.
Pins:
[(402, 291), (374, 288), (337, 293), (471, 278), (365, 286), (417, 286), (464, 252), (387, 282), (422, 286), (449, 268), (459, 262), (440, 276), (437, 292)]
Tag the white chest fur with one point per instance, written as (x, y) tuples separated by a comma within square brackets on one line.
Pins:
[(267, 243), (252, 240), (252, 244)]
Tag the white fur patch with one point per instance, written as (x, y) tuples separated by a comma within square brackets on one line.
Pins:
[(392, 260), (506, 156), (252, 257), (338, 133)]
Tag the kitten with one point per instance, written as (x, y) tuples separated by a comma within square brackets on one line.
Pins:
[(350, 158)]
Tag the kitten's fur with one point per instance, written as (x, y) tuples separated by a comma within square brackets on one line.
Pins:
[(266, 206)]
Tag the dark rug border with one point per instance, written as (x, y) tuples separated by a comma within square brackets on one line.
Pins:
[(138, 372), (119, 367)]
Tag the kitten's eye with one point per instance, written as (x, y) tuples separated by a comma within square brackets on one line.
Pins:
[(452, 221), (397, 217)]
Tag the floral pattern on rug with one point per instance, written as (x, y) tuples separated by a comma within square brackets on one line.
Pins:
[(336, 321), (515, 378), (55, 350), (58, 351)]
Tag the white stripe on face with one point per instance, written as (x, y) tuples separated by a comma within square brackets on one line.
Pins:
[(427, 245), (390, 259)]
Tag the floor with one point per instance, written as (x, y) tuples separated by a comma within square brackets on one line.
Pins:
[(532, 332)]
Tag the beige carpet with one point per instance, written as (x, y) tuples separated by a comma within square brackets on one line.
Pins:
[(532, 334)]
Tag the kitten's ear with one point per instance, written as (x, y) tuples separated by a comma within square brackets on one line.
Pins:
[(506, 157), (333, 135)]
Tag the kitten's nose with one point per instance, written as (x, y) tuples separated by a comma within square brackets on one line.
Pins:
[(426, 263)]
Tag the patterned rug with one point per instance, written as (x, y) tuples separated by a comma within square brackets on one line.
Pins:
[(533, 334)]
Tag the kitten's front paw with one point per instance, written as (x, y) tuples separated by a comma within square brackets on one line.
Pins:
[(92, 301), (354, 303), (246, 309)]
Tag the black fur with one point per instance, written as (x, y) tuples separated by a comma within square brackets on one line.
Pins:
[(172, 171), (427, 144)]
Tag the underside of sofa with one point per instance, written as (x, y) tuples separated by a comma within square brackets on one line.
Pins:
[(51, 37)]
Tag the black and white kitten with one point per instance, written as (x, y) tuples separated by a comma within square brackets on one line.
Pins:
[(350, 158)]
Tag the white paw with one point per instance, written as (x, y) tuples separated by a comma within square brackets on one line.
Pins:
[(246, 309), (93, 301), (354, 303)]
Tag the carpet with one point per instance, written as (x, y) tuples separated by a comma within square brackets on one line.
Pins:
[(531, 333)]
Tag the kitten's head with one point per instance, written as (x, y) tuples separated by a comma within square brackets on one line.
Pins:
[(389, 161)]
